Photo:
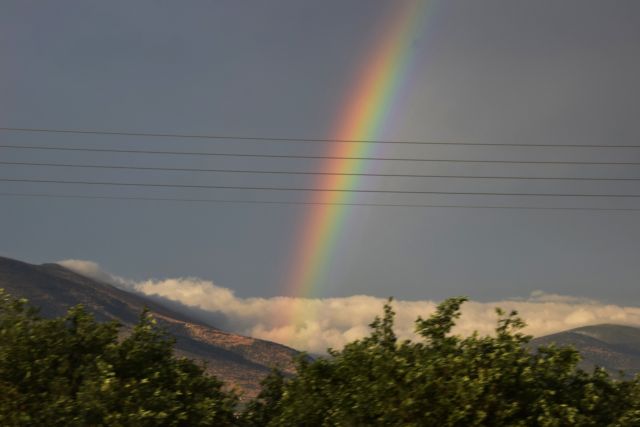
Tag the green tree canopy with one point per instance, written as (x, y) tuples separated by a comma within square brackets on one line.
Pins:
[(446, 380), (74, 371)]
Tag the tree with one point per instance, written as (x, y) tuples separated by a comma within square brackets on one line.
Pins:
[(266, 406), (447, 380), (74, 371)]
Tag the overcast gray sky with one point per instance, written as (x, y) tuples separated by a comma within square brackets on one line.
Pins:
[(482, 71)]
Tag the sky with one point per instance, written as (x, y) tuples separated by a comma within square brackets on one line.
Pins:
[(509, 71)]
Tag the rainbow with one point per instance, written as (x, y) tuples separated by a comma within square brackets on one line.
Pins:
[(367, 108)]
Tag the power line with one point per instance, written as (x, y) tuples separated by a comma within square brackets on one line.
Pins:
[(341, 190), (294, 156), (279, 172), (289, 139), (273, 202)]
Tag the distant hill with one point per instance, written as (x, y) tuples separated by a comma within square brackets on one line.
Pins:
[(613, 347), (244, 361), (238, 360)]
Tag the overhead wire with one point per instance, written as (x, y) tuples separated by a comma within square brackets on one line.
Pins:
[(295, 156), (283, 202), (281, 172), (291, 139), (310, 189), (322, 157)]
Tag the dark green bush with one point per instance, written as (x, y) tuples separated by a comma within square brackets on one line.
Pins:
[(74, 371)]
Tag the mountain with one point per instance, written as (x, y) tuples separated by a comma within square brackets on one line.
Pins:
[(238, 360), (613, 347), (244, 361)]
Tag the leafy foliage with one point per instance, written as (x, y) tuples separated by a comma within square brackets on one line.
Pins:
[(266, 406), (74, 371), (447, 380)]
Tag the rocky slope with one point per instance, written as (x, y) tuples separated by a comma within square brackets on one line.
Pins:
[(238, 360), (243, 361), (613, 347)]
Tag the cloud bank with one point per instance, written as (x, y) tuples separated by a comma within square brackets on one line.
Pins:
[(316, 324)]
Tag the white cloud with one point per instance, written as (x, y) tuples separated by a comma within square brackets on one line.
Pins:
[(90, 269), (315, 324)]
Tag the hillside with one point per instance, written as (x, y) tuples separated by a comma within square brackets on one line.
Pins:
[(614, 347), (243, 361), (236, 359)]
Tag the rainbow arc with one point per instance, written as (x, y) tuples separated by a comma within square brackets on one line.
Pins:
[(367, 109)]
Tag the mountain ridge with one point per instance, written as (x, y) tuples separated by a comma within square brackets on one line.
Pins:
[(613, 347), (238, 360)]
